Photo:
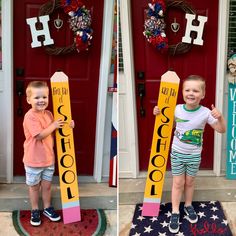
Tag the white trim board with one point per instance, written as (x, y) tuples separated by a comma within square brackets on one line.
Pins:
[(128, 159), (103, 85), (7, 87), (220, 78)]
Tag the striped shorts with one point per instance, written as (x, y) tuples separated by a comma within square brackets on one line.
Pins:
[(184, 163)]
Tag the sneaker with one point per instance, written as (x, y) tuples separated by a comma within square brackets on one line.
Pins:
[(191, 214), (174, 223), (35, 217), (51, 214)]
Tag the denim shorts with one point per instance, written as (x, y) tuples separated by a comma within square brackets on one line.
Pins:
[(35, 174)]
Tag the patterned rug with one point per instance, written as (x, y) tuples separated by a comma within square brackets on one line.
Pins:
[(93, 223), (211, 221)]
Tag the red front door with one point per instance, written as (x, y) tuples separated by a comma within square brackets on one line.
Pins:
[(81, 68), (150, 64)]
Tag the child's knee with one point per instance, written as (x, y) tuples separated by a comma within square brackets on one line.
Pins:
[(46, 185), (178, 183), (189, 181), (35, 187)]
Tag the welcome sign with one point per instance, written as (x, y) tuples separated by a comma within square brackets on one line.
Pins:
[(168, 94), (231, 133), (65, 149)]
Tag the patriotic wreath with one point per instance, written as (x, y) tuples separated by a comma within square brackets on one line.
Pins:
[(154, 25), (80, 23)]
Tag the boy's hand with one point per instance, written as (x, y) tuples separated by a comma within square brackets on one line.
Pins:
[(59, 123), (72, 124), (156, 111), (215, 112)]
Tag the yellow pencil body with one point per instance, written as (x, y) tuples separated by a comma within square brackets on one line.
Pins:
[(65, 149), (167, 99)]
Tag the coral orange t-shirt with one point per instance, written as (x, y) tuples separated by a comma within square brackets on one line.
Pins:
[(37, 153)]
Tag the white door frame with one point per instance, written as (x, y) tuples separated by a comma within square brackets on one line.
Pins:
[(125, 9), (7, 88), (222, 46), (103, 86), (127, 158)]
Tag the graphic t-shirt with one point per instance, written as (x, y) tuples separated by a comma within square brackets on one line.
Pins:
[(190, 124)]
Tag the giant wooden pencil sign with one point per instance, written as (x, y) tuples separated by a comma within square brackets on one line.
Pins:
[(65, 149), (168, 94)]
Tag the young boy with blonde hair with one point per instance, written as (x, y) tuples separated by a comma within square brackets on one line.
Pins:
[(39, 158), (190, 121)]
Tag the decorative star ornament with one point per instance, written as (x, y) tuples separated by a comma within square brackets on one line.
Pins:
[(136, 234), (214, 209), (180, 234), (148, 229), (140, 218), (202, 205), (133, 226), (168, 214), (162, 234), (153, 219), (214, 217), (225, 222), (201, 214), (140, 208), (164, 224)]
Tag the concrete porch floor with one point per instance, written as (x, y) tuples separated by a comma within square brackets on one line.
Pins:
[(92, 195), (207, 188), (131, 192)]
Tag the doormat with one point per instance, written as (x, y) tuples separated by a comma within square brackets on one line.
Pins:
[(93, 222), (211, 221)]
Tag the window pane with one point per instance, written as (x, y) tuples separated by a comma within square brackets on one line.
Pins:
[(232, 29)]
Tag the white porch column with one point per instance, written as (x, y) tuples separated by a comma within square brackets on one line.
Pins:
[(127, 122), (103, 85)]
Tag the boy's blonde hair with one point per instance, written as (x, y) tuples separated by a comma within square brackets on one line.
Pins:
[(35, 84), (197, 78)]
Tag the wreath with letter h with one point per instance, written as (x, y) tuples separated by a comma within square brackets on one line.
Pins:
[(80, 23), (154, 26)]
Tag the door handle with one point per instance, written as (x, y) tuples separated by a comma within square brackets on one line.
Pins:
[(141, 75), (141, 94), (20, 92)]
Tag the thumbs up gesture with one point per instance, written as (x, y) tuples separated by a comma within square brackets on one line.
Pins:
[(215, 112)]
